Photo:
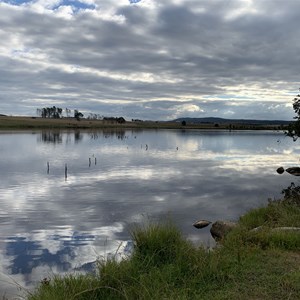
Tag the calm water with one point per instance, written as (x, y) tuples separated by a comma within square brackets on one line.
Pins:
[(51, 224)]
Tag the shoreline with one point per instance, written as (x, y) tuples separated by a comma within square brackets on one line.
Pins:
[(29, 123), (248, 264)]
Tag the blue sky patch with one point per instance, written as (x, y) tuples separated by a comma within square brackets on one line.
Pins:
[(16, 2), (74, 3), (134, 1)]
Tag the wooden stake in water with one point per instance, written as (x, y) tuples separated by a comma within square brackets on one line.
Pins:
[(48, 167), (95, 160), (89, 161), (66, 171)]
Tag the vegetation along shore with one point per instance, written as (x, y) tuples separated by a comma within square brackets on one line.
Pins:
[(256, 260), (22, 123)]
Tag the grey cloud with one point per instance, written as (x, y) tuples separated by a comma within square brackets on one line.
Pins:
[(191, 53)]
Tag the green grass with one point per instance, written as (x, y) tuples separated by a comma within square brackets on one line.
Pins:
[(164, 265), (276, 214)]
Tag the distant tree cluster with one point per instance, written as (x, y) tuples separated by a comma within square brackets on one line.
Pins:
[(50, 112), (56, 113), (78, 114), (119, 120)]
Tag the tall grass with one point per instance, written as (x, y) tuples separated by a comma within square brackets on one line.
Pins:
[(261, 264), (276, 214)]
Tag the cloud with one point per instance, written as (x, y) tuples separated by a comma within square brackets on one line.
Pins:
[(115, 56)]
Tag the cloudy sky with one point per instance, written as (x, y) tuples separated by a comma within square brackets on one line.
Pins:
[(151, 59)]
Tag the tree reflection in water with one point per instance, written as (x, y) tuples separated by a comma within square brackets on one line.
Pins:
[(59, 137), (50, 137), (56, 137)]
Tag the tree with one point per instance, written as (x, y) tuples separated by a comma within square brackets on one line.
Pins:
[(121, 120), (294, 128), (77, 114), (57, 111), (50, 112), (183, 123)]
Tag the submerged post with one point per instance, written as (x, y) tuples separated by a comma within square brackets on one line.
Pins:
[(95, 160), (66, 171), (89, 161), (48, 167)]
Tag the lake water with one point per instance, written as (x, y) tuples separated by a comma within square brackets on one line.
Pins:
[(50, 223)]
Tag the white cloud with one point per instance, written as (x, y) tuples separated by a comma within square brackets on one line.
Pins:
[(151, 51), (187, 110), (242, 9)]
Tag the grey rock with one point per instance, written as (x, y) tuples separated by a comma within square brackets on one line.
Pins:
[(277, 229), (294, 229), (220, 229), (256, 229), (280, 170), (293, 171), (201, 224)]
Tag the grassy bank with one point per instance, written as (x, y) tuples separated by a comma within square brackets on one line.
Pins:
[(259, 264), (21, 123), (71, 123)]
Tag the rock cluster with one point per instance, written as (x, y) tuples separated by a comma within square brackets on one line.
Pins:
[(293, 171), (218, 230)]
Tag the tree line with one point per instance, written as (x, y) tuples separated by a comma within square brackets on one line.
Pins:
[(57, 113)]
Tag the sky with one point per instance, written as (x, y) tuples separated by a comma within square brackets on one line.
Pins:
[(151, 59)]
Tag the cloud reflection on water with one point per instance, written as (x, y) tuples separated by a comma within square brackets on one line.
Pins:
[(53, 225)]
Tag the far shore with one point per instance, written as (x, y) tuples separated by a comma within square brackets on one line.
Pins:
[(25, 122)]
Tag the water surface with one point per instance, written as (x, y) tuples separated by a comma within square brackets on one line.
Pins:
[(50, 223)]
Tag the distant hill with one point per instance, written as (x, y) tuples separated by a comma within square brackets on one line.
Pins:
[(213, 120)]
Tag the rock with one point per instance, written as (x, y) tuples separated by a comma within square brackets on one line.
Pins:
[(293, 229), (277, 229), (293, 171), (280, 170), (201, 224), (220, 229), (256, 229)]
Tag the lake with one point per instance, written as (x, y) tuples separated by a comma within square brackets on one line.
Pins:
[(70, 197)]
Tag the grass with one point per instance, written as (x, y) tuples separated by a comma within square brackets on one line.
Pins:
[(262, 264), (15, 122), (64, 123)]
